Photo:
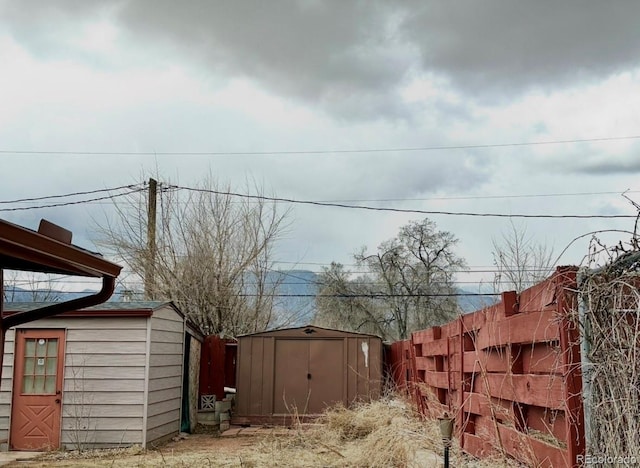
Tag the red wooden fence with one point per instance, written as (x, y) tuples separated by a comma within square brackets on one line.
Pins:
[(217, 366), (509, 374)]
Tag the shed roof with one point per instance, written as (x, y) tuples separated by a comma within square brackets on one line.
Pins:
[(310, 331), (106, 309)]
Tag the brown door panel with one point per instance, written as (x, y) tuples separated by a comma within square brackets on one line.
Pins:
[(290, 392), (37, 388)]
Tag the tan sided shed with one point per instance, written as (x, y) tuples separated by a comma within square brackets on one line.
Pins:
[(128, 375), (304, 370)]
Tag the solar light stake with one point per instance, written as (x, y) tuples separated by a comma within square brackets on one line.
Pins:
[(446, 430)]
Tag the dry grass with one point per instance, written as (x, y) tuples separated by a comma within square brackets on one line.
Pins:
[(384, 433)]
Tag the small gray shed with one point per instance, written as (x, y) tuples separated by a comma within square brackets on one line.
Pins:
[(116, 374), (303, 371)]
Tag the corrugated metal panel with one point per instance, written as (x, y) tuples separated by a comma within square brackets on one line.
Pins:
[(303, 370)]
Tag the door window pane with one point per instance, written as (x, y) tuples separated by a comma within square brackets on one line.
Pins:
[(40, 365)]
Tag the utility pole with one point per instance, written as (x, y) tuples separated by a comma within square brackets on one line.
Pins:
[(149, 274)]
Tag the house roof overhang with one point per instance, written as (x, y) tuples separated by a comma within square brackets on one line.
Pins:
[(27, 250), (50, 251)]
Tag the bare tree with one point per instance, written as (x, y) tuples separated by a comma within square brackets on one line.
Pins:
[(212, 257), (520, 262), (346, 303), (406, 285), (31, 286)]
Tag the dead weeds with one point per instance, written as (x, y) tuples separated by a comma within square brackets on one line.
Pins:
[(383, 433)]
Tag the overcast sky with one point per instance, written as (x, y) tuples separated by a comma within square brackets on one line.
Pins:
[(320, 78)]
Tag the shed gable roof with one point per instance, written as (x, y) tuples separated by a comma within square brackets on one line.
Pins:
[(106, 309), (309, 331)]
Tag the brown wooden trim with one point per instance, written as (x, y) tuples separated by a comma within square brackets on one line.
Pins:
[(97, 313)]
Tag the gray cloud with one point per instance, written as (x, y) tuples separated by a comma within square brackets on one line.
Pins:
[(339, 56), (609, 166), (496, 47), (351, 58)]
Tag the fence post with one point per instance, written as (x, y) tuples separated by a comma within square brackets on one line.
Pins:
[(462, 386), (571, 364)]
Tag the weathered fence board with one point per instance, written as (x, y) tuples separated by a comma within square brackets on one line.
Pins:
[(509, 374)]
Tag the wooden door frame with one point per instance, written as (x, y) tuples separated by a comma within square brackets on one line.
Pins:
[(20, 337)]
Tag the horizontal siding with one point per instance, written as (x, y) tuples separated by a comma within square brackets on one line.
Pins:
[(4, 433), (7, 361), (167, 382), (104, 380), (163, 407), (167, 348), (107, 360), (96, 337), (106, 373), (89, 323), (5, 385), (164, 419), (158, 396), (106, 397), (113, 347), (160, 325), (161, 372), (165, 374), (165, 360), (119, 438), (168, 313), (108, 424), (100, 385), (166, 337), (96, 410), (161, 433)]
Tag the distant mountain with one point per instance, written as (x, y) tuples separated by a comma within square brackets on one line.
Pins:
[(18, 294), (472, 301), (295, 304)]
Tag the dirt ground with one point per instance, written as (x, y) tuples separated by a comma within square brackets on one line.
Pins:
[(378, 434), (262, 449), (196, 450)]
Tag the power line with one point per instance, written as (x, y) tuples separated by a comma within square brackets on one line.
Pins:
[(335, 203), (471, 269), (481, 197), (66, 195), (77, 202), (325, 151), (344, 296), (402, 210), (471, 197)]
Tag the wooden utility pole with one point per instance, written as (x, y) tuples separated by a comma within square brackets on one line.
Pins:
[(149, 274)]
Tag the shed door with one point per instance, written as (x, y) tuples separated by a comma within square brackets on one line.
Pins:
[(309, 375), (37, 390)]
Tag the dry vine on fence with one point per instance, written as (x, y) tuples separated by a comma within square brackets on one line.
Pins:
[(611, 326)]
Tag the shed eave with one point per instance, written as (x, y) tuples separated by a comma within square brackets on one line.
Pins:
[(312, 327)]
